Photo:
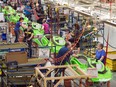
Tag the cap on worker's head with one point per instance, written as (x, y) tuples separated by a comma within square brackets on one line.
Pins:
[(44, 20)]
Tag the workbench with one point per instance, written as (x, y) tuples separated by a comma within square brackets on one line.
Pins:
[(22, 74)]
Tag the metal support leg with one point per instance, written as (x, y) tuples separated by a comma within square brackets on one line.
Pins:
[(80, 83)]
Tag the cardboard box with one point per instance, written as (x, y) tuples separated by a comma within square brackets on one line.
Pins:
[(20, 57)]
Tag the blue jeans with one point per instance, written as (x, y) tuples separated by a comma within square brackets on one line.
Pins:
[(17, 32)]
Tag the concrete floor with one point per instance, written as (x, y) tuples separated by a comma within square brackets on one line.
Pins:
[(113, 81)]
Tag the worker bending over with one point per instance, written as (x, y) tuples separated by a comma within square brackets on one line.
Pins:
[(62, 52), (28, 38), (60, 55), (17, 28)]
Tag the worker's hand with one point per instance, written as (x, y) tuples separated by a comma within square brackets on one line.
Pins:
[(71, 48), (74, 55)]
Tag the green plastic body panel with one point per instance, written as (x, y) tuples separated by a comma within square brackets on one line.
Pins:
[(102, 77), (38, 32), (44, 41), (37, 41), (58, 40)]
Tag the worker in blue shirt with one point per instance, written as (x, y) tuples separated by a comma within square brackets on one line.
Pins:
[(17, 28), (28, 11), (100, 53)]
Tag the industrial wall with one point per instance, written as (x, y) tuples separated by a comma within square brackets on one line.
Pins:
[(112, 34)]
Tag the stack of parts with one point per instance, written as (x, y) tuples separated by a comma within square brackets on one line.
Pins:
[(111, 61)]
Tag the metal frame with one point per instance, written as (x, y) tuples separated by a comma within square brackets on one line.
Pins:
[(43, 77), (4, 24)]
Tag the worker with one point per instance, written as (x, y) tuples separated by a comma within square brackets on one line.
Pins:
[(61, 53), (73, 36), (40, 13), (68, 35), (17, 28), (100, 53), (28, 11), (28, 38), (46, 27)]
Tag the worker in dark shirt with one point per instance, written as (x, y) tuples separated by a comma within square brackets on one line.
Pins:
[(62, 52), (40, 14), (74, 35), (28, 38)]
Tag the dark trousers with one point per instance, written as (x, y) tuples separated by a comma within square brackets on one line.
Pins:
[(29, 42), (60, 71), (17, 32), (29, 48)]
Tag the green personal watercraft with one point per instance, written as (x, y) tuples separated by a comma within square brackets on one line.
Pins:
[(18, 15), (56, 44), (8, 10), (37, 28), (13, 18), (84, 62)]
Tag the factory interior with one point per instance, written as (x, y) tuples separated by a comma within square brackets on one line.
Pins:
[(57, 43)]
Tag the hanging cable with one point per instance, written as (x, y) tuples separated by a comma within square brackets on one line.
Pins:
[(106, 41), (61, 59)]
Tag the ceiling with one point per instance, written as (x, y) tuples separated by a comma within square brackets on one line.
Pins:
[(95, 8)]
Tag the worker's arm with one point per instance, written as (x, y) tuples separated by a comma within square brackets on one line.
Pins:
[(24, 26), (103, 55), (102, 58), (74, 55), (31, 37)]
